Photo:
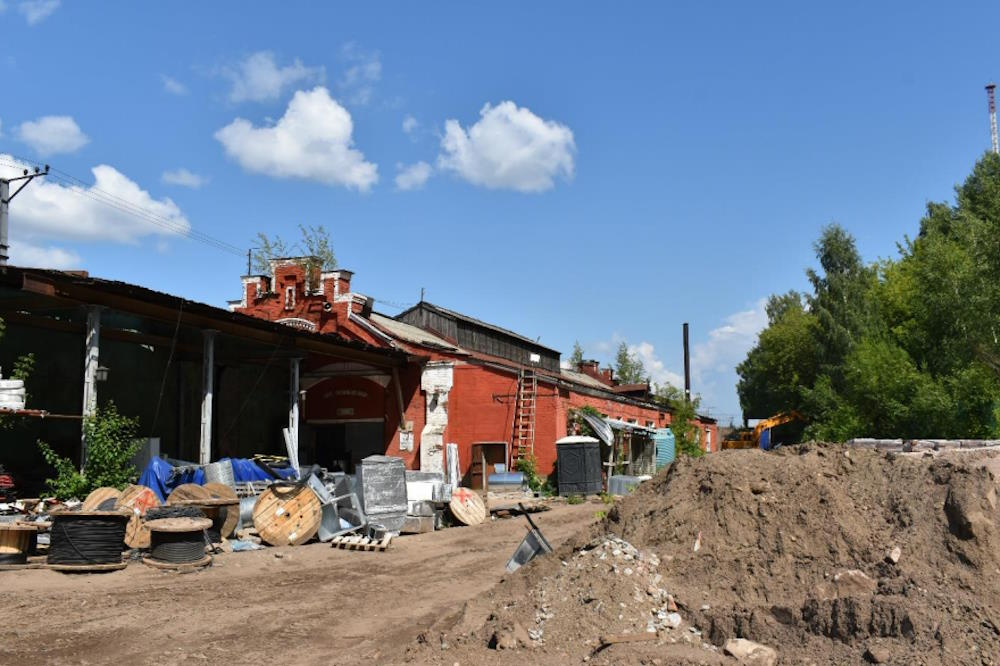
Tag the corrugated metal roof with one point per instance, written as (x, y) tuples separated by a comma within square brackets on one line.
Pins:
[(412, 334), (15, 277), (479, 322), (586, 380)]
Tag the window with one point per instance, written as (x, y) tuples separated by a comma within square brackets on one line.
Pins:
[(708, 440), (289, 297), (650, 424)]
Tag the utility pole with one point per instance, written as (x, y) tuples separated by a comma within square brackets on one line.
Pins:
[(5, 198), (992, 103)]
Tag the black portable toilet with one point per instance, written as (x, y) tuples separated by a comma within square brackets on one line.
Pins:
[(578, 459)]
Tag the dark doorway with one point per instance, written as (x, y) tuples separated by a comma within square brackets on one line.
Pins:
[(341, 446)]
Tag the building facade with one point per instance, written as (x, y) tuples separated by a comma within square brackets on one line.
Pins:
[(465, 381)]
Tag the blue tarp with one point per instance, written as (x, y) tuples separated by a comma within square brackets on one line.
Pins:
[(163, 477)]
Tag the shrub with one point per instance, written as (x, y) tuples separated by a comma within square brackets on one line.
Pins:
[(111, 443)]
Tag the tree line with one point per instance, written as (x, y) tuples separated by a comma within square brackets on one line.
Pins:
[(907, 347)]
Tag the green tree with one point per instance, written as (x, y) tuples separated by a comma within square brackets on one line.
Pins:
[(576, 358), (905, 347), (684, 425), (628, 366), (314, 247)]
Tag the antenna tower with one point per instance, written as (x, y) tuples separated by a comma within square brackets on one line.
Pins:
[(991, 99)]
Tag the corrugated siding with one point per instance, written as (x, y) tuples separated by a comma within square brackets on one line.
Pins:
[(479, 339), (665, 449)]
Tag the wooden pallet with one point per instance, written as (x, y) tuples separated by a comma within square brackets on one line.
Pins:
[(357, 542)]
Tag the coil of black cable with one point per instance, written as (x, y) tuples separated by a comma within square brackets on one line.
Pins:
[(177, 547), (178, 540), (173, 511), (87, 538)]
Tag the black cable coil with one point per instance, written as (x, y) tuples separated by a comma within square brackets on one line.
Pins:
[(87, 539), (157, 512), (13, 558), (177, 547), (189, 512)]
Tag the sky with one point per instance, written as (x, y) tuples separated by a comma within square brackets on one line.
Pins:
[(571, 171)]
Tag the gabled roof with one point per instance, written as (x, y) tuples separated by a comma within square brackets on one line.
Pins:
[(412, 334), (476, 322)]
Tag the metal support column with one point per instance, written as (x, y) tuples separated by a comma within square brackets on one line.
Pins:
[(207, 389), (91, 360), (4, 219), (293, 412)]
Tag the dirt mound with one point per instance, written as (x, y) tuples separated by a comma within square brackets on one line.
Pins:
[(825, 554)]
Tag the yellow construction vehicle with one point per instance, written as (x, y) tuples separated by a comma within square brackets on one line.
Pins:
[(760, 436)]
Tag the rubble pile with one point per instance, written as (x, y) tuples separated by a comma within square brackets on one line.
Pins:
[(815, 554)]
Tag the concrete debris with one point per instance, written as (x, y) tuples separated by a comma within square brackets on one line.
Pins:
[(750, 653), (877, 654)]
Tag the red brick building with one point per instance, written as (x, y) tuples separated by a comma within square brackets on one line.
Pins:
[(462, 383)]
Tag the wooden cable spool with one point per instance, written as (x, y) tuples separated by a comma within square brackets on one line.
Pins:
[(187, 491), (189, 529), (217, 510), (98, 497), (287, 515), (467, 506), (137, 500), (15, 542), (222, 491)]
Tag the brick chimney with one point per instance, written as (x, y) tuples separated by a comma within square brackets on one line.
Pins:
[(589, 367)]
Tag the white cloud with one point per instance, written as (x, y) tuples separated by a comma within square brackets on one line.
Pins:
[(311, 141), (728, 344), (50, 135), (48, 209), (34, 256), (36, 11), (509, 148), (258, 78), (655, 368), (714, 361), (358, 81), (184, 178), (173, 86), (412, 177), (410, 124)]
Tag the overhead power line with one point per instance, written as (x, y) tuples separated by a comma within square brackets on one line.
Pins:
[(82, 189)]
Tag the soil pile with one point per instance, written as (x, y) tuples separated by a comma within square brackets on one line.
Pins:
[(826, 555)]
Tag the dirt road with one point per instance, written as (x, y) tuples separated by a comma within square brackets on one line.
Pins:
[(307, 605)]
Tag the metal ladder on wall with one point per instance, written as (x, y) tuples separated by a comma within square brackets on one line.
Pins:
[(524, 415)]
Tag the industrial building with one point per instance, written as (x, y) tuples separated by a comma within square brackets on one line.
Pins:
[(465, 381)]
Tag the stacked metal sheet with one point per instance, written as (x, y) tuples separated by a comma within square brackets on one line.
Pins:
[(381, 487)]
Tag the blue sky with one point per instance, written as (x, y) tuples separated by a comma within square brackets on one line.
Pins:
[(585, 171)]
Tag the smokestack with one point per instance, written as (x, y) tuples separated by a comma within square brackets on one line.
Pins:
[(991, 101), (687, 366)]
